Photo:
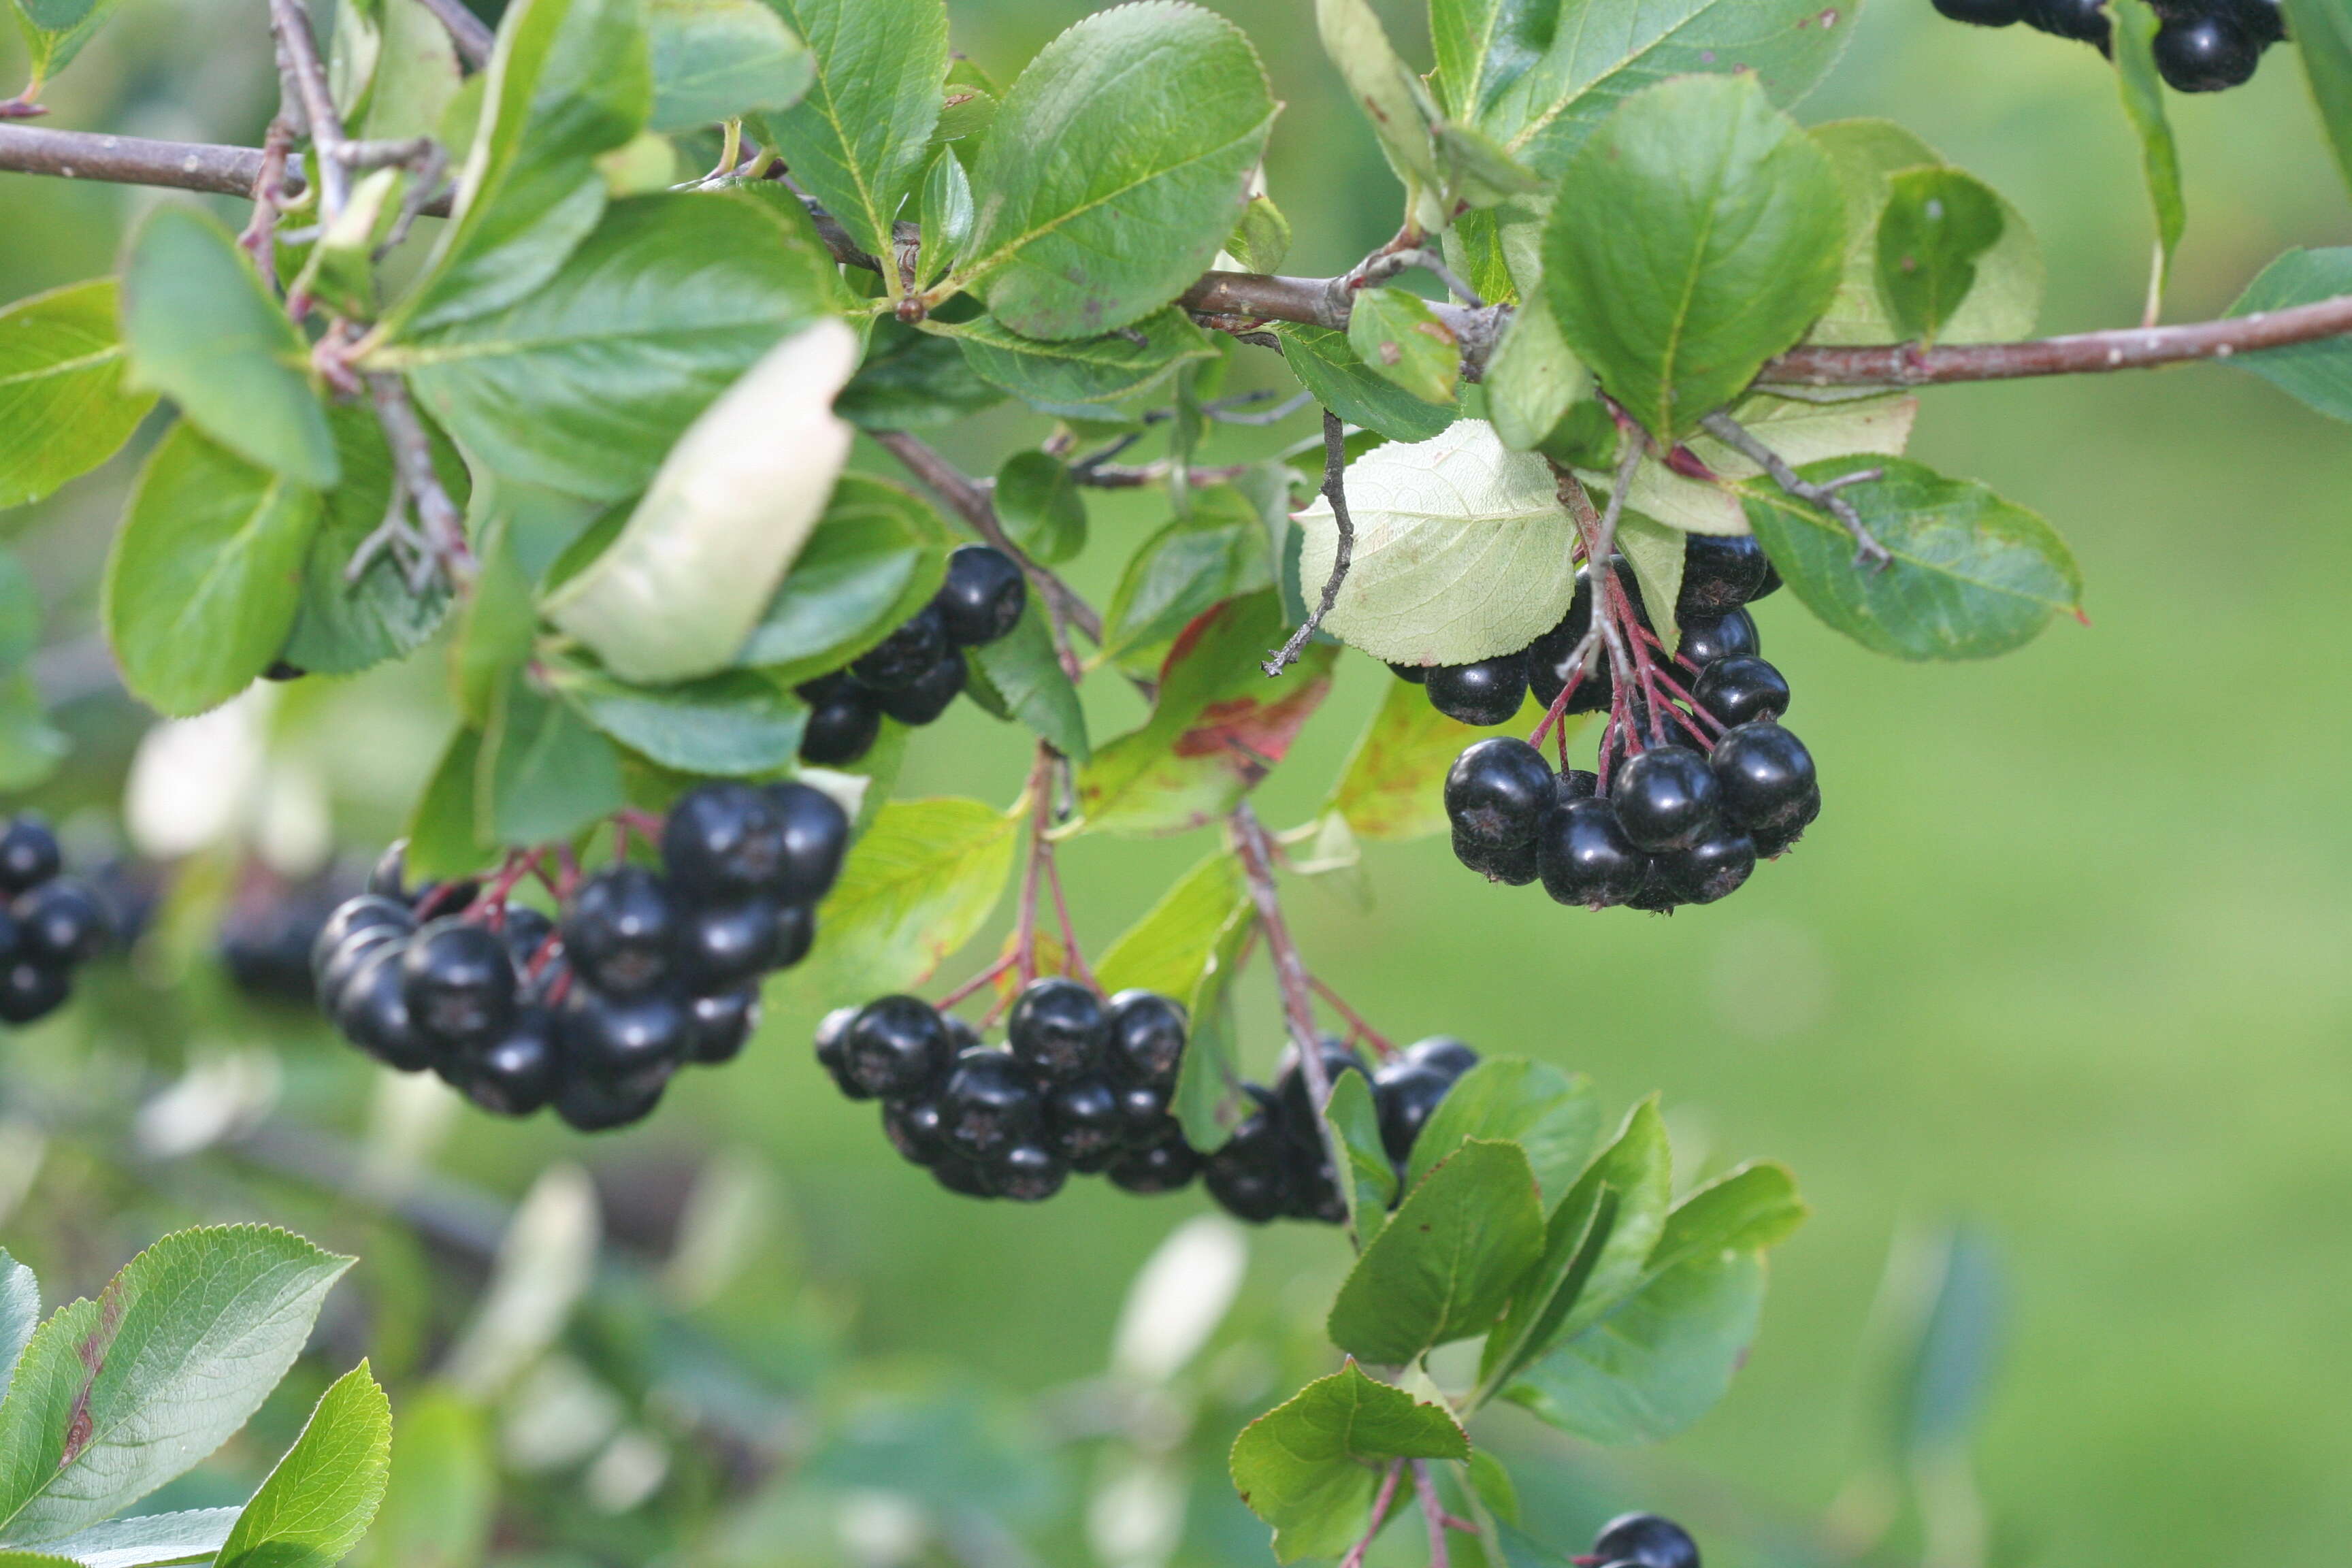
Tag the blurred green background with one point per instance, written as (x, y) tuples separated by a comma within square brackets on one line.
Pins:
[(2064, 954)]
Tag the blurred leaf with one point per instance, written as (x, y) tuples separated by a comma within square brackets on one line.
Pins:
[(1491, 1484), (203, 331), (2322, 30), (1138, 119), (2134, 40), (917, 885), (1658, 1361), (947, 214), (1040, 506), (952, 1449), (857, 140), (417, 74), (1218, 553), (323, 1494), (2318, 374), (1218, 726), (1080, 376), (1951, 1361), (440, 1500), (1327, 366), (1695, 236), (545, 1262), (30, 746), (1553, 1117), (116, 1396), (734, 724), (1972, 575), (20, 613), (1168, 948), (585, 385), (1400, 338), (342, 626), (1262, 239), (499, 627), (1391, 789), (1746, 1210), (545, 774), (1023, 673), (1209, 1102), (1461, 550), (722, 60), (63, 408), (54, 32), (1533, 378), (206, 573), (1371, 1185), (1384, 88), (1937, 224), (912, 380), (568, 79), (1443, 1269), (1800, 432), (873, 560), (20, 1314), (444, 839), (151, 1538), (1656, 553), (1310, 1466)]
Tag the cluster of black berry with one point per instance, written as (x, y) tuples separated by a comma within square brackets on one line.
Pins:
[(1275, 1166), (1697, 780), (267, 932), (914, 672), (48, 925), (641, 972), (2201, 45), (1642, 1541)]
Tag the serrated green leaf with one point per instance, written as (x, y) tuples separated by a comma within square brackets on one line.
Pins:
[(1310, 1466), (203, 330), (1209, 1102), (585, 385), (342, 626), (1533, 378), (1167, 949), (1445, 1266), (1461, 550), (323, 1494), (30, 746), (1696, 234), (1382, 86), (1391, 789), (911, 380), (1937, 224), (1040, 506), (444, 839), (1081, 377), (2318, 374), (20, 1314), (206, 573), (189, 1535), (875, 559), (417, 74), (735, 724), (439, 1501), (1656, 553), (63, 408), (2322, 30), (1401, 339), (498, 627), (1116, 165), (543, 774), (116, 1396), (917, 886), (1746, 1210), (55, 31), (1972, 575), (1218, 553), (2134, 38), (857, 140), (1327, 366), (1658, 1361), (1553, 1116), (722, 60), (1371, 1177), (1023, 670), (1262, 239)]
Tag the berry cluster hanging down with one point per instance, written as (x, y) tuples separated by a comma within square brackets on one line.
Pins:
[(49, 926), (2201, 45), (914, 672), (639, 972)]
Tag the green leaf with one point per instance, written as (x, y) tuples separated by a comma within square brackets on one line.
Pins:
[(1801, 432), (1023, 672), (737, 724), (499, 628), (1218, 726), (1168, 948), (54, 32), (1656, 553), (1310, 1466), (568, 79), (417, 74), (2135, 29), (116, 1396), (1209, 1102), (206, 573), (1040, 506), (1327, 366), (341, 626), (1143, 120), (1081, 378), (323, 1494), (857, 141), (443, 836), (1443, 1267), (63, 408), (1400, 338), (911, 380), (545, 774), (1194, 562), (947, 214), (1972, 575), (438, 1505), (1533, 378), (2322, 30), (1392, 787), (722, 60), (1937, 224), (1746, 1210), (1461, 550), (917, 886), (1695, 236), (874, 558), (681, 589), (149, 1539), (30, 746), (1385, 88), (1553, 1116), (1371, 1184), (203, 331), (585, 385), (2319, 374), (1262, 239), (1658, 1361), (20, 1314), (20, 613)]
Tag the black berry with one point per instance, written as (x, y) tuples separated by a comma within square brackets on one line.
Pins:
[(1706, 638), (1577, 784), (924, 699), (628, 1043), (61, 924), (717, 1026), (726, 945), (1300, 1114), (1742, 688), (895, 1046), (1059, 1028), (842, 722), (1776, 839), (1028, 1172), (2084, 21), (372, 1010), (1413, 673), (832, 1036), (723, 842), (1487, 692), (983, 598), (900, 659), (1983, 12), (1710, 870), (1404, 1093), (816, 836), (1497, 792), (795, 932), (2206, 53), (1585, 857), (525, 933), (354, 915), (29, 855), (1447, 1055), (989, 1105), (1085, 1125), (621, 930), (1645, 1539), (1147, 1038), (1552, 656), (587, 1105), (30, 990), (517, 1075), (1720, 572), (459, 983), (1766, 777), (1162, 1166), (1665, 798), (1514, 866), (913, 1128), (958, 1174)]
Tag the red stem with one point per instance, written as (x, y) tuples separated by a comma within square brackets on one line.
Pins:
[(1427, 1491), (1380, 1044), (1380, 1506)]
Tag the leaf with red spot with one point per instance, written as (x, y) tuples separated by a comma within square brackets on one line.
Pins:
[(1219, 727)]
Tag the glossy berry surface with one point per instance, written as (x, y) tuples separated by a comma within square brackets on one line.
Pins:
[(628, 1043), (1776, 839), (1164, 1166), (335, 971), (1028, 1172), (1983, 12), (1405, 1093), (1497, 792), (1720, 572), (1710, 870), (895, 1046), (913, 1128), (1576, 784), (725, 945), (1766, 775), (1550, 657), (843, 723), (1487, 692), (1059, 1028), (900, 659), (958, 1174), (1147, 1038), (1648, 1540), (587, 1105), (924, 699), (1513, 866), (1245, 1177), (989, 1105), (1412, 674), (29, 855), (795, 934), (368, 910), (1085, 1123), (722, 842), (1742, 689), (717, 1026), (816, 836), (2085, 21), (1292, 1097), (61, 924), (621, 930), (2206, 53), (526, 932), (1584, 857), (518, 1074), (1708, 638), (983, 598), (31, 989), (1665, 798), (1447, 1055), (459, 983), (372, 1010), (832, 1040)]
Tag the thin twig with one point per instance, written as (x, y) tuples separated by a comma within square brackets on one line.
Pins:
[(1112, 477), (1432, 1514), (1867, 551), (1382, 1045), (1256, 853), (1227, 410), (291, 24), (1334, 491), (467, 31), (1382, 1503), (440, 524), (971, 503)]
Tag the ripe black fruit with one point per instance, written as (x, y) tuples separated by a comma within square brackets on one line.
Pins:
[(717, 1026), (627, 1043), (621, 930), (900, 659), (29, 855), (1514, 866), (723, 842), (1497, 792), (816, 834), (832, 1038), (844, 719), (1447, 1055), (913, 1128), (1142, 1112), (516, 1075), (726, 945), (1085, 1123), (61, 924), (795, 933), (1292, 1097), (1162, 1166), (1028, 1172), (983, 598), (957, 1173), (335, 971), (925, 697), (1486, 692), (1245, 1177), (895, 1046), (525, 933), (2084, 21), (587, 1105), (352, 915), (1706, 638), (1773, 840), (2206, 53), (459, 983), (1983, 12), (1665, 798), (1585, 857), (1404, 1093), (1720, 572), (30, 990), (1550, 656), (1645, 1539), (1415, 674), (1576, 784), (989, 1104), (1059, 1028), (370, 1009), (1741, 688), (1147, 1038), (1710, 870), (1766, 776)]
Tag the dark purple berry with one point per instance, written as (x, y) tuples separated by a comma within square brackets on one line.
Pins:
[(1665, 798), (335, 972), (621, 930), (894, 1048), (1028, 1172), (717, 1026), (1164, 1165), (627, 1043), (369, 911), (1142, 1113), (2085, 21), (587, 1105), (842, 722), (525, 933), (1147, 1038), (460, 983), (832, 1039), (1551, 657), (1487, 692), (1706, 638), (1059, 1028), (900, 659), (723, 842), (727, 945), (795, 932), (1710, 870), (516, 1075), (29, 855), (1720, 572), (372, 1010), (1299, 1111), (1245, 1177), (1413, 674), (1514, 866), (1497, 792), (1646, 1539), (1576, 784), (1766, 776), (61, 922), (1084, 1124), (2206, 53), (921, 701), (389, 877), (1405, 1093), (1585, 857), (990, 1104), (1447, 1055), (913, 1128), (816, 836), (1775, 840), (30, 989), (1741, 688), (983, 598), (958, 1174), (1983, 12)]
